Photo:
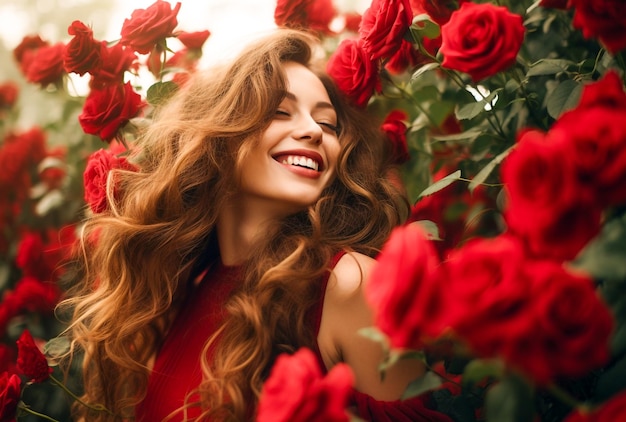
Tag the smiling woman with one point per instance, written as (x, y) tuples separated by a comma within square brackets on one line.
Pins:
[(259, 200)]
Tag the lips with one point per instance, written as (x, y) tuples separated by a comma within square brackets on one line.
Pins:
[(301, 158)]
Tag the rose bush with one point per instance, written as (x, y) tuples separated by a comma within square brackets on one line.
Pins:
[(505, 119), (46, 188), (535, 91)]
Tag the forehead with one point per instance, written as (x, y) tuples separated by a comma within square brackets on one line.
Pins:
[(304, 84)]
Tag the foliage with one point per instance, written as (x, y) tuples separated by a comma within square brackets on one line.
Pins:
[(463, 113)]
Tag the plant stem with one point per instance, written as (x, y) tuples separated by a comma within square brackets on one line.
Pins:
[(563, 396), (27, 409), (97, 407)]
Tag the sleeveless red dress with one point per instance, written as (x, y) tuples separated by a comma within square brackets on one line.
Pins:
[(177, 371)]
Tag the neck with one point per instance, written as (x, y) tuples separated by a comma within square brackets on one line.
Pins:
[(239, 224)]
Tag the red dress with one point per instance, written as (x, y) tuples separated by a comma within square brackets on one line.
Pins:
[(177, 369)]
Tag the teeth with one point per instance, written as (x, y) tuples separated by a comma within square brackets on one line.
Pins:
[(297, 160)]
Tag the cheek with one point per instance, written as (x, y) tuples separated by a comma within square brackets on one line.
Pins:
[(333, 150)]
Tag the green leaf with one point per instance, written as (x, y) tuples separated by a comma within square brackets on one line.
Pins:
[(159, 92), (482, 175), (509, 400), (431, 229), (468, 135), (429, 381), (377, 336), (603, 258), (479, 369), (548, 67), (471, 110), (611, 381), (50, 201), (5, 273), (564, 97), (419, 72), (440, 184), (423, 26), (56, 347)]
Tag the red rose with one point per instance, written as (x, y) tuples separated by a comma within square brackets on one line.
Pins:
[(394, 127), (602, 19), (438, 10), (33, 295), (25, 50), (53, 173), (7, 359), (554, 4), (403, 288), (607, 92), (147, 27), (481, 39), (539, 183), (567, 317), (10, 390), (352, 21), (320, 14), (597, 147), (96, 175), (405, 58), (383, 27), (30, 361), (354, 72), (184, 59), (487, 297), (296, 390), (291, 14), (545, 198), (42, 259), (614, 409), (8, 94), (29, 257), (82, 53), (114, 61), (18, 152), (46, 66), (193, 40), (305, 14), (105, 111), (597, 139)]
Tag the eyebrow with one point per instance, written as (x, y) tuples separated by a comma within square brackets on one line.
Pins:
[(319, 104)]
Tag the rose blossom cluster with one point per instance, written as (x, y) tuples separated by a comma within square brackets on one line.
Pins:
[(513, 296), (112, 102), (38, 234), (315, 15), (479, 39), (99, 176), (490, 295), (567, 176), (296, 390), (31, 366), (38, 252)]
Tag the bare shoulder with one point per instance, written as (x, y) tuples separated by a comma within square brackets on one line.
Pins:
[(345, 312), (349, 275)]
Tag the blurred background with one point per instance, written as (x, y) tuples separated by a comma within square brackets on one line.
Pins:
[(231, 22)]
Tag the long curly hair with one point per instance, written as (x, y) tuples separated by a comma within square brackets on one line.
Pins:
[(136, 258)]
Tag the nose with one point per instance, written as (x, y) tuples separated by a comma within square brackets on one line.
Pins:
[(307, 129)]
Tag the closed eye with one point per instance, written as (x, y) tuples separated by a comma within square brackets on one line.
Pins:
[(330, 126)]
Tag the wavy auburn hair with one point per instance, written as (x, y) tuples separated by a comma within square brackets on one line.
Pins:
[(137, 258)]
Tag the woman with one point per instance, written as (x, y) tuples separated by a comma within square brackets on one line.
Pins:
[(247, 232)]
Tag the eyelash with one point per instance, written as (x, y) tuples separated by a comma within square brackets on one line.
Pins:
[(330, 126)]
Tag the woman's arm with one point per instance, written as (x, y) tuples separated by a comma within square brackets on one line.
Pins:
[(345, 312)]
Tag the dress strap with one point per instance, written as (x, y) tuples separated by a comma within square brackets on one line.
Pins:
[(318, 310)]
